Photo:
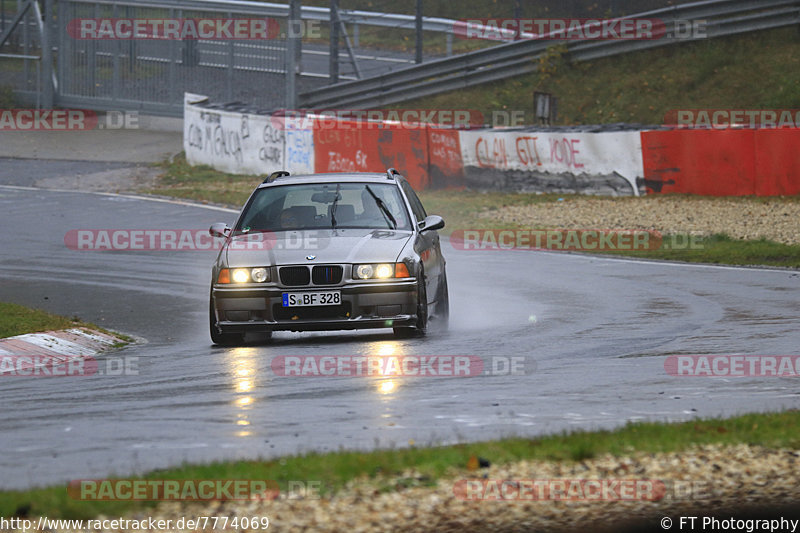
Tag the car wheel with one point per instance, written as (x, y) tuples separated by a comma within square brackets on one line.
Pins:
[(220, 337), (443, 304), (421, 326)]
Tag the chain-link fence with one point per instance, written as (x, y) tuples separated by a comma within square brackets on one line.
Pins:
[(154, 70), (97, 67), (507, 8), (20, 57)]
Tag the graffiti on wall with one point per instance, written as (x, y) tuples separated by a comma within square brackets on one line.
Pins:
[(272, 146), (527, 151), (207, 134), (598, 154)]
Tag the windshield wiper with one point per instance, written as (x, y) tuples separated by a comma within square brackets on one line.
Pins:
[(383, 208), (335, 204)]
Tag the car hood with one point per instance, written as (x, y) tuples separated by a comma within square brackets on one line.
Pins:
[(327, 246)]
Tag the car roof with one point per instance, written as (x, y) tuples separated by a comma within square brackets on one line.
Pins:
[(332, 177)]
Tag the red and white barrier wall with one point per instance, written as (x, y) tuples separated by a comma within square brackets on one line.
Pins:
[(344, 146), (709, 162), (555, 153), (243, 143), (738, 162)]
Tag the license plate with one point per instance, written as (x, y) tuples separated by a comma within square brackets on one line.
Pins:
[(307, 299)]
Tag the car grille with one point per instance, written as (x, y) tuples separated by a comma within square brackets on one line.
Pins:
[(281, 313), (300, 276), (327, 275), (295, 276)]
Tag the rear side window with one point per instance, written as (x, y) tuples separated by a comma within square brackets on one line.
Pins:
[(416, 205)]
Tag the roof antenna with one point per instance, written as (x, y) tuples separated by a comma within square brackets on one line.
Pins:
[(275, 175)]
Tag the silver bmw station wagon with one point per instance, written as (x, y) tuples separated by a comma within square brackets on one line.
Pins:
[(329, 252)]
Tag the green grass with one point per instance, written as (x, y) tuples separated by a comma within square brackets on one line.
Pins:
[(463, 209), (722, 249), (204, 184), (642, 87), (7, 98), (336, 469), (18, 320)]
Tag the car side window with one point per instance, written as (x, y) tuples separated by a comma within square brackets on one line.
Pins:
[(416, 205)]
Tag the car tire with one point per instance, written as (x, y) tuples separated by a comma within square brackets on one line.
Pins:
[(421, 326), (443, 305), (221, 337)]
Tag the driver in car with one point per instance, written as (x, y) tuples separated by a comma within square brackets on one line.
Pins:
[(288, 219)]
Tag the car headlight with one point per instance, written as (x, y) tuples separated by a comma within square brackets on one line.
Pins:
[(240, 275), (384, 271), (364, 271), (243, 275), (259, 275), (380, 271)]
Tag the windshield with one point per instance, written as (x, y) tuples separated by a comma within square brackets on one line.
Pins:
[(311, 206)]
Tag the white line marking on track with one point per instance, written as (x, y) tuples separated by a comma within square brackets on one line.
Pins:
[(131, 196), (591, 257)]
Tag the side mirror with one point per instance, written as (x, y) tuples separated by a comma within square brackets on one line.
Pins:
[(431, 223), (220, 229)]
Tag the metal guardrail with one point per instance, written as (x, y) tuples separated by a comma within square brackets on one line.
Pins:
[(724, 17)]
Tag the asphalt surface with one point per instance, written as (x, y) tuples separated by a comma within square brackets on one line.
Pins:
[(25, 172), (123, 147), (595, 333)]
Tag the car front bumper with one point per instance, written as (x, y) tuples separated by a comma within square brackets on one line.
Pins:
[(383, 304)]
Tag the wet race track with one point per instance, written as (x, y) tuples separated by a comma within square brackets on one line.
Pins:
[(594, 332)]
